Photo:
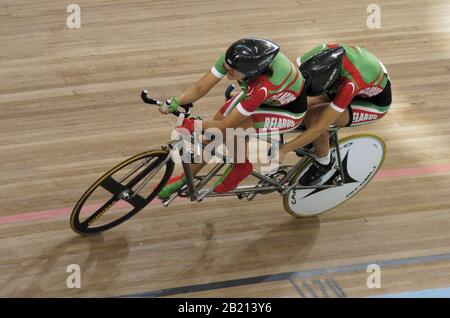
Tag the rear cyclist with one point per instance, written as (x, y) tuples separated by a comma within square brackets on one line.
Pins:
[(272, 96), (351, 88)]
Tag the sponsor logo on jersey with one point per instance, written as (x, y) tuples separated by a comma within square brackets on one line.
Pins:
[(360, 117), (283, 98), (280, 123), (370, 91)]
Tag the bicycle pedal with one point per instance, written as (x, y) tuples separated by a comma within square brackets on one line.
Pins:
[(271, 172), (281, 172), (274, 172), (166, 202), (182, 192)]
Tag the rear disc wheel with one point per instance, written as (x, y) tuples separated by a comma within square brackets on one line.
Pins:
[(362, 156)]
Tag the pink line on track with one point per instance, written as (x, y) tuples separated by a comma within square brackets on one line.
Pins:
[(414, 171), (48, 214)]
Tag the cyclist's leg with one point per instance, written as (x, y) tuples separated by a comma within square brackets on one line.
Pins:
[(360, 111), (316, 100), (269, 119), (368, 110), (323, 162), (265, 120), (321, 144), (175, 183), (196, 167), (239, 170)]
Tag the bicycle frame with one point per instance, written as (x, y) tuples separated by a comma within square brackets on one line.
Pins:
[(197, 191), (140, 169)]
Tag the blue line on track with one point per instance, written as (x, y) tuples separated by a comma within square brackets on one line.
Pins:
[(291, 275), (426, 293)]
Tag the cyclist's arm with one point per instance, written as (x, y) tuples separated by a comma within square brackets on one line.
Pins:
[(199, 89), (344, 95), (241, 112), (326, 118), (233, 120), (211, 78)]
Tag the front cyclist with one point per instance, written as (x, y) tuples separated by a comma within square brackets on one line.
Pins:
[(353, 88), (272, 97)]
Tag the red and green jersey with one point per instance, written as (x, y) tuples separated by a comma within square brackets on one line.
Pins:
[(361, 74), (280, 88)]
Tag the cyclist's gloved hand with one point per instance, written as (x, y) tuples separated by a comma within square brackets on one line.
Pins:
[(170, 105)]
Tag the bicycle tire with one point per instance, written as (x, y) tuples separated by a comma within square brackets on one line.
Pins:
[(287, 196), (84, 229)]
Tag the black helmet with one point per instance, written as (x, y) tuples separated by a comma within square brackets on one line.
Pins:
[(251, 56), (321, 71)]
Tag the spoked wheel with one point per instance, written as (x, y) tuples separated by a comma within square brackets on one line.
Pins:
[(121, 192), (362, 156)]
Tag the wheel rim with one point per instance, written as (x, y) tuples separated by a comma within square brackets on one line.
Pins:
[(119, 207)]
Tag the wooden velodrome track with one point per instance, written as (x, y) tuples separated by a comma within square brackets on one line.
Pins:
[(70, 109)]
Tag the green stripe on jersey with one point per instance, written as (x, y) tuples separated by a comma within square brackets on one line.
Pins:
[(278, 111), (366, 104), (367, 65)]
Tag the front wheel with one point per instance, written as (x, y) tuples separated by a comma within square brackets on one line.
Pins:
[(362, 156), (121, 192)]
